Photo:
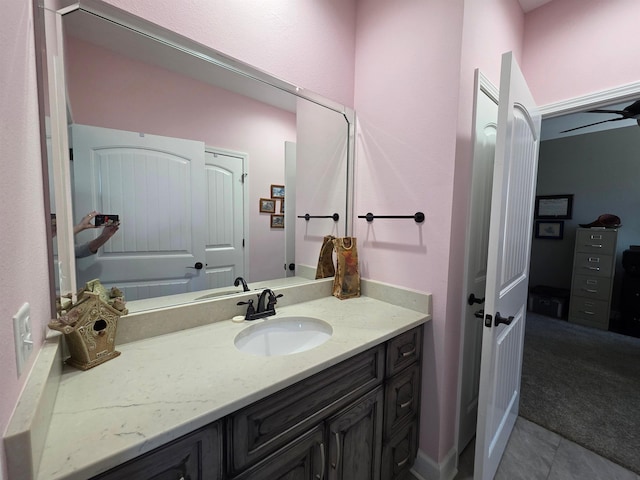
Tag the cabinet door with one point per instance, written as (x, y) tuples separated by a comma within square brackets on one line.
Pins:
[(302, 459), (195, 456), (355, 440), (400, 452)]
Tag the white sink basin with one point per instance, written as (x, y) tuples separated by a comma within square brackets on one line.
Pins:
[(283, 336)]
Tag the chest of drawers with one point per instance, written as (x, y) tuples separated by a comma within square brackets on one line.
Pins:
[(592, 280)]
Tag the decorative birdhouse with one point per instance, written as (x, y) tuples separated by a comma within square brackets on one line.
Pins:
[(89, 325)]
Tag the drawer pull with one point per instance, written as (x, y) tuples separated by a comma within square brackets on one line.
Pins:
[(402, 463), (593, 245), (407, 403), (322, 462), (337, 462), (587, 312), (410, 352), (590, 290), (597, 269)]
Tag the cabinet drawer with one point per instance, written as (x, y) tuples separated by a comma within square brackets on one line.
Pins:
[(593, 264), (399, 453), (267, 425), (194, 456), (403, 350), (596, 241), (402, 398), (585, 311), (596, 288)]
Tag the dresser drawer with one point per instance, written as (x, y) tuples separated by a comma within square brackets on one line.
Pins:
[(589, 286), (593, 264), (404, 350), (594, 313), (402, 398), (596, 241)]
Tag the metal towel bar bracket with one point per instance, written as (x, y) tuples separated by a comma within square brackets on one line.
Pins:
[(418, 217)]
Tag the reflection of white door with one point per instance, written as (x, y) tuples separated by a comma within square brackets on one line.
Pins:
[(156, 185), (486, 118), (510, 228), (224, 214)]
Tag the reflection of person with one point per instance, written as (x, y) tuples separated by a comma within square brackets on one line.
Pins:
[(91, 247)]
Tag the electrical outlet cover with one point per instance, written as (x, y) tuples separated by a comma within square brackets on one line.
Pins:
[(22, 335)]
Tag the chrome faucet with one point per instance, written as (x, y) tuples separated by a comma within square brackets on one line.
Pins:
[(240, 280), (266, 305)]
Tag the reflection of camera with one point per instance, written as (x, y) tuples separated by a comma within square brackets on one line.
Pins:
[(102, 219)]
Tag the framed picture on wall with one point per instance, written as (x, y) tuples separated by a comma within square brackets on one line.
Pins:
[(277, 191), (267, 205), (549, 230), (277, 221), (556, 207)]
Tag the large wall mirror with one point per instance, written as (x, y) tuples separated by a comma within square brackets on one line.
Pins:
[(208, 162)]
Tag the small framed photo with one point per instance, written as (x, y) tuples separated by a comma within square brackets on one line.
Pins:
[(277, 191), (267, 205), (554, 207), (277, 221), (549, 230), (282, 206)]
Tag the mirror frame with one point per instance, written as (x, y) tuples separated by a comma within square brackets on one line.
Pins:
[(52, 97)]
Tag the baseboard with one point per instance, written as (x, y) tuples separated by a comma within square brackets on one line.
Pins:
[(425, 468)]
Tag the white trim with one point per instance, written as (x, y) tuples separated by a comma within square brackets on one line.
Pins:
[(425, 468), (592, 100)]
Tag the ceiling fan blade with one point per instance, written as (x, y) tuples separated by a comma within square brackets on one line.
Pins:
[(592, 124), (618, 112)]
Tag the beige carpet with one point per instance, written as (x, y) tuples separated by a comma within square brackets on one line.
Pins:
[(583, 384)]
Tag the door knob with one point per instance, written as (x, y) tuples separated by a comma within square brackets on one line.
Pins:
[(473, 299), (197, 266), (500, 319)]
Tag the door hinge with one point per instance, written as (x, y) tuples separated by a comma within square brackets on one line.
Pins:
[(71, 154), (243, 176), (243, 243)]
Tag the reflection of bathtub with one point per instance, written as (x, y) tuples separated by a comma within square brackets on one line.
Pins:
[(181, 298)]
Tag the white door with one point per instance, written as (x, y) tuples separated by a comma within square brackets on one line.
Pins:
[(477, 245), (224, 214), (514, 178), (157, 187)]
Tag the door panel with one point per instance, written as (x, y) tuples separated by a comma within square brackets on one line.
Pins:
[(224, 214), (512, 202), (156, 186)]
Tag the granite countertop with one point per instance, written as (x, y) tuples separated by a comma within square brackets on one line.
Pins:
[(164, 387)]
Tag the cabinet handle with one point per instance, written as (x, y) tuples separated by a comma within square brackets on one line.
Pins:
[(322, 460), (587, 312), (407, 403), (590, 290), (593, 245), (401, 463), (597, 269), (337, 462), (410, 352)]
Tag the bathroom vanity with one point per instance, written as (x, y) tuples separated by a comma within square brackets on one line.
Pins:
[(190, 404)]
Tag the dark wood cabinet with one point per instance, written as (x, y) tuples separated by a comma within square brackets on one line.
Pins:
[(196, 456), (357, 420)]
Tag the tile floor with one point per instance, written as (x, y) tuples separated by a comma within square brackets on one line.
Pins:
[(534, 453)]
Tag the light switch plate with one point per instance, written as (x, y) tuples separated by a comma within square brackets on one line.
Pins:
[(22, 335)]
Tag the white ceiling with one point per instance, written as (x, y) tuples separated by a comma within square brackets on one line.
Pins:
[(528, 5)]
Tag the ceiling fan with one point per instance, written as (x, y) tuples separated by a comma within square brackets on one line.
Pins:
[(629, 112)]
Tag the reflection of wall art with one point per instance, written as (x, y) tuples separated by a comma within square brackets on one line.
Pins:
[(277, 221), (557, 207), (282, 206), (549, 230), (277, 191), (267, 205)]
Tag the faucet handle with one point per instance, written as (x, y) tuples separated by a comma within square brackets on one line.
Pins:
[(273, 299), (250, 309)]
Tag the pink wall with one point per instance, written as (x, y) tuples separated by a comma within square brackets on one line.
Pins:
[(576, 47), (111, 91), (307, 43), (23, 263)]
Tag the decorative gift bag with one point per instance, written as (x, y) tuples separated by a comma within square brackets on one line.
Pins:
[(346, 283), (326, 268)]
